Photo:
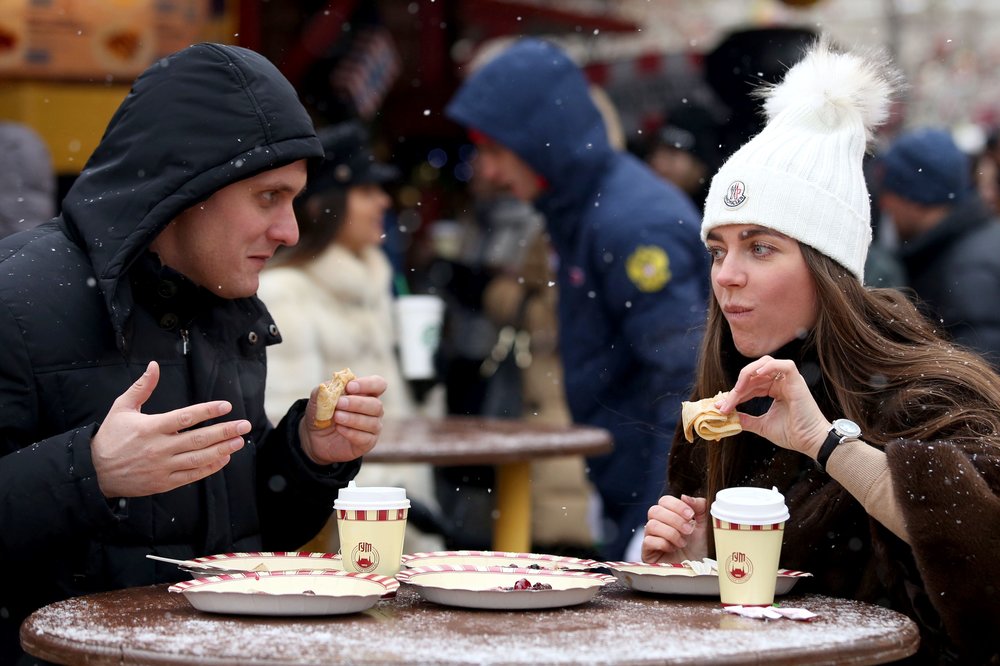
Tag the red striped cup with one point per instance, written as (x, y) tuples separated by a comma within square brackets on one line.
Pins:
[(371, 522), (748, 524)]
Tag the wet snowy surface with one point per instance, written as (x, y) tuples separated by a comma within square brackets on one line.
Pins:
[(618, 626), (474, 440)]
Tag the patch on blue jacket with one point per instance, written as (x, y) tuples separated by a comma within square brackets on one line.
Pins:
[(648, 267)]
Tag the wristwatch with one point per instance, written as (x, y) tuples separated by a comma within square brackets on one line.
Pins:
[(842, 431)]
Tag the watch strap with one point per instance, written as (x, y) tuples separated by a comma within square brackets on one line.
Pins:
[(832, 441)]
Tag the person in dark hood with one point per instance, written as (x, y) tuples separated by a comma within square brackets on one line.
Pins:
[(685, 150), (132, 381), (632, 274)]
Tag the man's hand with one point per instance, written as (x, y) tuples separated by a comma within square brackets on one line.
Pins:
[(138, 454), (356, 423)]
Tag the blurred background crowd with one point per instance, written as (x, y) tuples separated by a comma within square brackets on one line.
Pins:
[(673, 80)]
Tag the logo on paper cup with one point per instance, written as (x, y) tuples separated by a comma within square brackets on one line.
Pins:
[(739, 568), (364, 557), (431, 336)]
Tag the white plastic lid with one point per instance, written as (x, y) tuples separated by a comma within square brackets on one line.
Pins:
[(421, 301), (750, 506), (371, 497)]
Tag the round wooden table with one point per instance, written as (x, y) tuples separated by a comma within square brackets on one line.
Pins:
[(509, 444), (148, 625)]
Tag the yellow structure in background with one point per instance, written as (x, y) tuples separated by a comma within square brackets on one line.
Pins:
[(58, 85), (70, 117)]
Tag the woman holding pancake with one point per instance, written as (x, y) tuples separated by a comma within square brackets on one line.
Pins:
[(883, 437)]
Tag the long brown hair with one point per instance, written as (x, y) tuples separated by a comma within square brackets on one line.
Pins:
[(883, 364)]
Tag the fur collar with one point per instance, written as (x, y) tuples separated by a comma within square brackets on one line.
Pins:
[(359, 279)]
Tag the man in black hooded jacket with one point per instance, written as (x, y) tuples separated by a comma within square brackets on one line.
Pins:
[(132, 377)]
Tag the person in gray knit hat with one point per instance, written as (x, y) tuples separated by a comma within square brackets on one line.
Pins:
[(881, 435), (28, 183), (949, 238)]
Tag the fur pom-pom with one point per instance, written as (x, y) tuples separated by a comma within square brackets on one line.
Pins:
[(838, 87)]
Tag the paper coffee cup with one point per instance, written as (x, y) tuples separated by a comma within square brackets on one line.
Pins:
[(418, 328), (748, 524), (371, 522)]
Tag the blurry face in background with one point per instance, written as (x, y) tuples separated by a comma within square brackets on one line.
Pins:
[(763, 286), (679, 167), (365, 217), (908, 218), (501, 168)]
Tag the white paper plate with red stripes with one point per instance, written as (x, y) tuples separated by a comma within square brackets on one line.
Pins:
[(286, 592), (682, 579), (503, 588), (495, 558), (266, 561)]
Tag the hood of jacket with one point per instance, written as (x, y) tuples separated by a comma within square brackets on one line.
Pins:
[(534, 100), (193, 122)]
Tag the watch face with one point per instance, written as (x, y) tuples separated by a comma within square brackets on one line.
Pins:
[(847, 428)]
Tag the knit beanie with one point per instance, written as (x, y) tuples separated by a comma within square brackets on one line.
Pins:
[(802, 174), (926, 166)]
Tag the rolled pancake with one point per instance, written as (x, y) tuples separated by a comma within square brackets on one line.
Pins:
[(701, 418), (328, 395)]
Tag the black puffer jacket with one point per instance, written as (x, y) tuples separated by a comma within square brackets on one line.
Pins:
[(84, 307)]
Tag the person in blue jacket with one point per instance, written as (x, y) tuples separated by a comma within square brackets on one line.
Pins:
[(632, 274)]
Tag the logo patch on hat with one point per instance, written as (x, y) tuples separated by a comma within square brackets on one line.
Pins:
[(648, 268), (736, 195)]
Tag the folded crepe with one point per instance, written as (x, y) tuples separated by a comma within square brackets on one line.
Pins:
[(328, 395), (701, 418)]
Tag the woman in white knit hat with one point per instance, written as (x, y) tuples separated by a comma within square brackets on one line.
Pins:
[(882, 436)]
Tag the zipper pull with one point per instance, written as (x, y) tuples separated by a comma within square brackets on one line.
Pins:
[(185, 342)]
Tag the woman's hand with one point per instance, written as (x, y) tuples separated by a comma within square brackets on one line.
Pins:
[(356, 425), (677, 530), (794, 420)]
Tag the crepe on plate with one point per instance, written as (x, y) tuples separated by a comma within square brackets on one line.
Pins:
[(701, 418), (328, 395)]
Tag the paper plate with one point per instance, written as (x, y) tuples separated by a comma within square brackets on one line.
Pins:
[(680, 579), (492, 558), (286, 592), (468, 586), (275, 561)]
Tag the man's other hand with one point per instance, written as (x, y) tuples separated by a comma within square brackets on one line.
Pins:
[(356, 425), (138, 454)]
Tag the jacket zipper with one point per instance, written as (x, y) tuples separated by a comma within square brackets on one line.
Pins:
[(185, 342)]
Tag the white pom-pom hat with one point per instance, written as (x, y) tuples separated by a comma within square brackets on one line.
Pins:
[(802, 174)]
